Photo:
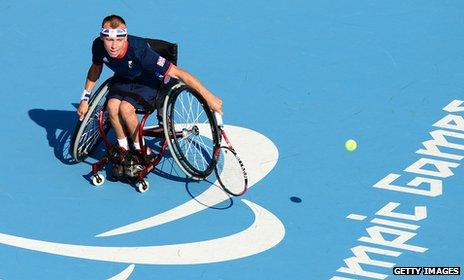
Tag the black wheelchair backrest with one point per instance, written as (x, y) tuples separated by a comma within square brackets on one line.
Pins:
[(164, 48)]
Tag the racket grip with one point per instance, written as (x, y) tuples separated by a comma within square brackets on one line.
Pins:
[(219, 121)]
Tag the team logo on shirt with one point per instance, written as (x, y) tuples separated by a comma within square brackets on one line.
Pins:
[(159, 75), (105, 59), (129, 63), (161, 61)]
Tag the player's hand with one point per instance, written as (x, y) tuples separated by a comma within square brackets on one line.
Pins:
[(82, 110), (215, 104)]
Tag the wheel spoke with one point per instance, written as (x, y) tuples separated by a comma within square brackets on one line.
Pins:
[(88, 135), (194, 150)]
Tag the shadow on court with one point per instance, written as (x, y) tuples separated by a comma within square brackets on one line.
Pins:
[(196, 188), (59, 126)]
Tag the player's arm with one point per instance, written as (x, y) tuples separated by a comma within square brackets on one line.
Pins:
[(214, 102), (92, 76)]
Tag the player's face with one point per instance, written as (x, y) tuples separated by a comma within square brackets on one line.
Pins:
[(114, 46)]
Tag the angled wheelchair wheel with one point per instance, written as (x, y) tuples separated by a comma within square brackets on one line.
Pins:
[(86, 135), (191, 131)]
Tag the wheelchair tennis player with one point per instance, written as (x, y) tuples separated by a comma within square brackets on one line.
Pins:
[(139, 70)]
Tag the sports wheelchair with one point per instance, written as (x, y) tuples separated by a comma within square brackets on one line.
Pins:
[(185, 125)]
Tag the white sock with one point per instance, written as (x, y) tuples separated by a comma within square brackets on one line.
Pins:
[(137, 147), (123, 143)]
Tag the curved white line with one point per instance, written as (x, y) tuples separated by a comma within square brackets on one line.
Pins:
[(265, 232), (259, 155), (123, 275)]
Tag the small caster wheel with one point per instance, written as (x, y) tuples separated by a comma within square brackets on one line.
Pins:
[(143, 186), (97, 179)]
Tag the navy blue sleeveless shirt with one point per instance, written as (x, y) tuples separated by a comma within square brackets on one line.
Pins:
[(140, 64)]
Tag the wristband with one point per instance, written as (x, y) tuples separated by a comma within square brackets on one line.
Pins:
[(85, 95)]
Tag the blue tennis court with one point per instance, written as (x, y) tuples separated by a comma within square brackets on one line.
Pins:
[(298, 79)]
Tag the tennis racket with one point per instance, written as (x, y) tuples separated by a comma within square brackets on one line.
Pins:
[(230, 170)]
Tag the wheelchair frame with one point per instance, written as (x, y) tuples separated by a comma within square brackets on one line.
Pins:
[(173, 131)]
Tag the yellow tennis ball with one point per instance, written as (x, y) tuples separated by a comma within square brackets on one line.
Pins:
[(351, 145)]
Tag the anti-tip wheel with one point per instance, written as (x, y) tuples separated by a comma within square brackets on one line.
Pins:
[(97, 179), (143, 186)]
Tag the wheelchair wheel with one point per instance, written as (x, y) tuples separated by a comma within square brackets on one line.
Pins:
[(191, 131), (86, 135)]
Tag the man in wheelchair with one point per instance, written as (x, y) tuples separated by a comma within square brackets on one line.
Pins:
[(139, 74)]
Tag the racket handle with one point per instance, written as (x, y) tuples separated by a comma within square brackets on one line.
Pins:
[(219, 121)]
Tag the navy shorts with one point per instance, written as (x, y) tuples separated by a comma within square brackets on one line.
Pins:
[(144, 91)]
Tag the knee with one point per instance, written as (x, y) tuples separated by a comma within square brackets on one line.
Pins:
[(113, 107), (126, 109)]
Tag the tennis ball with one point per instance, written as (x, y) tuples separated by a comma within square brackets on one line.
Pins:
[(351, 145)]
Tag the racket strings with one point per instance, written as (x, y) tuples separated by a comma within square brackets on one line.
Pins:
[(232, 175)]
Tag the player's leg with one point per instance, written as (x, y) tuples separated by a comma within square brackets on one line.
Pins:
[(113, 111), (122, 152), (127, 113), (129, 107), (114, 107)]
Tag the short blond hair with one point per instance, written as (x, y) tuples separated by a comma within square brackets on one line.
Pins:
[(113, 20)]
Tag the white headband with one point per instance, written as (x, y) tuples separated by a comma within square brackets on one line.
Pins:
[(113, 33)]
